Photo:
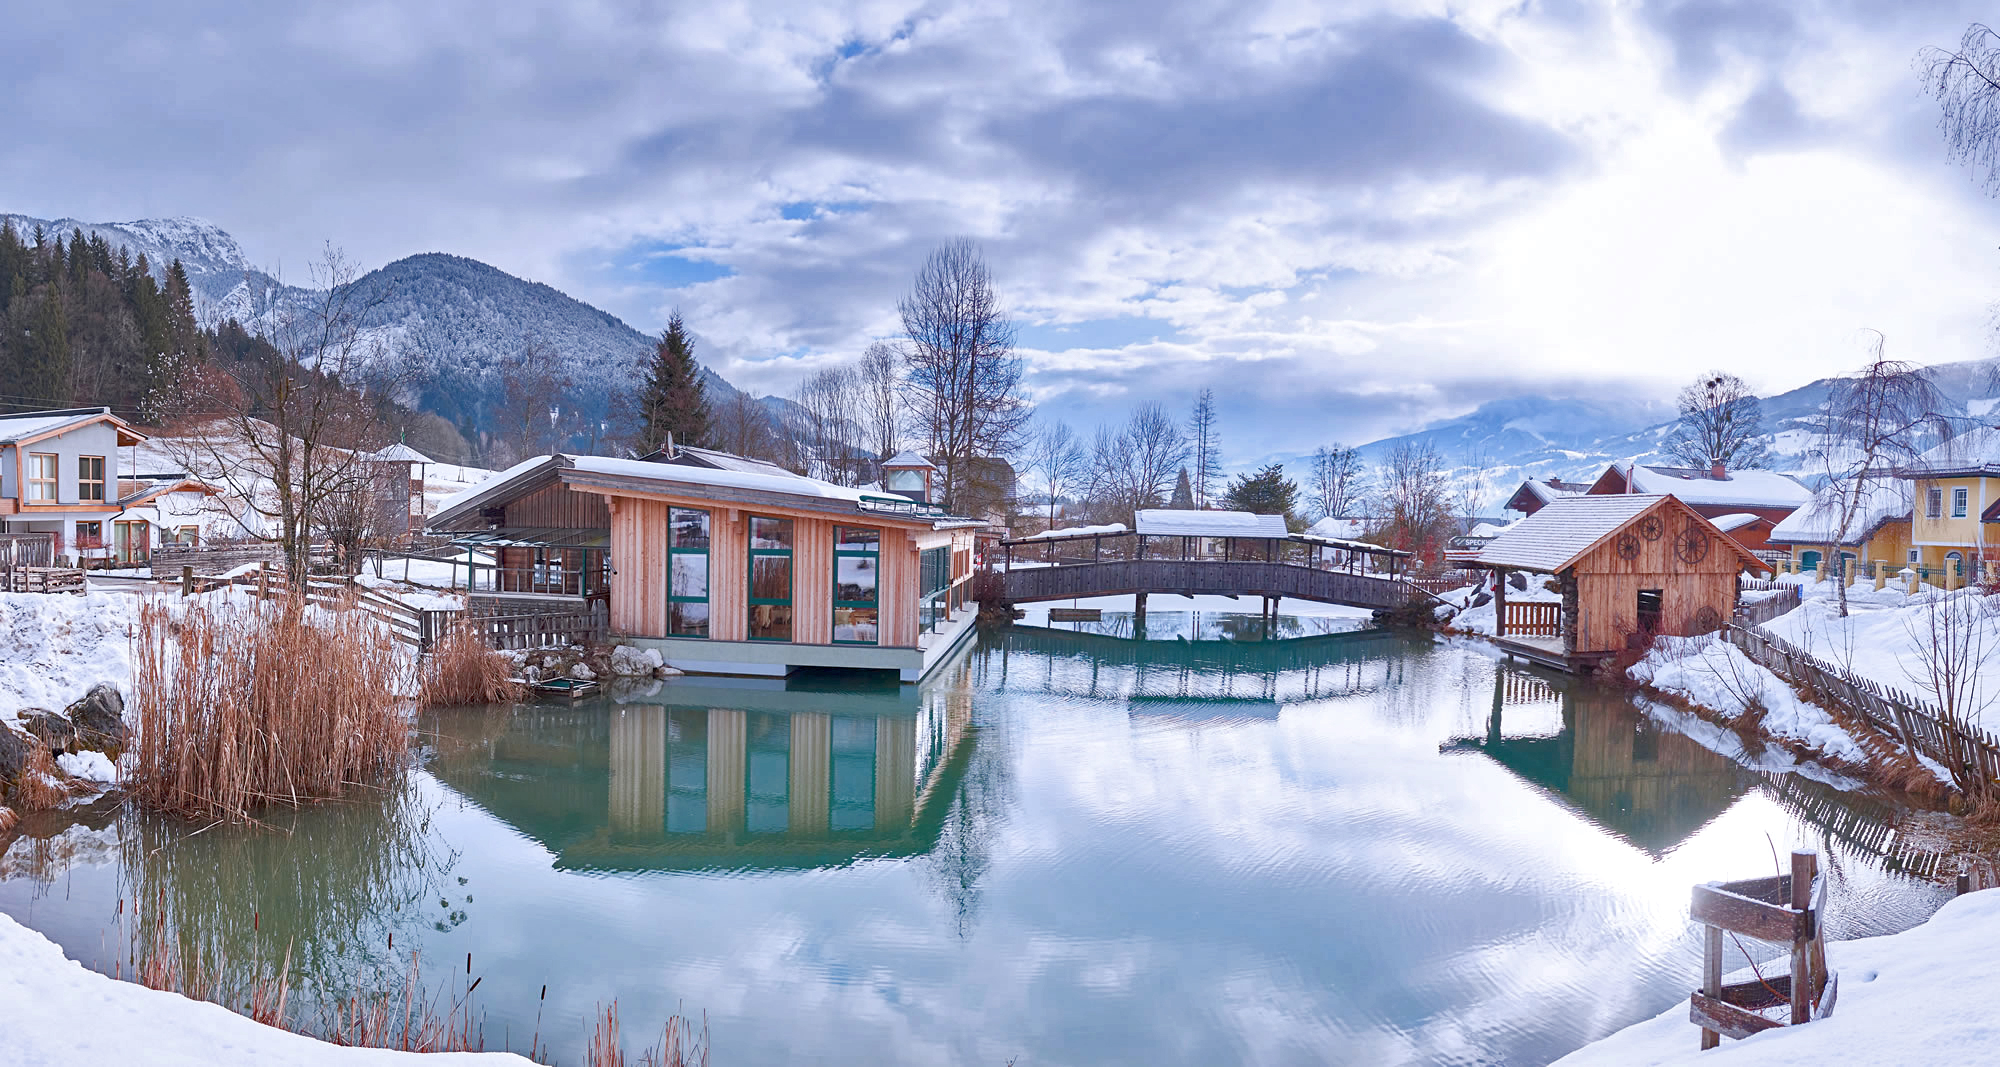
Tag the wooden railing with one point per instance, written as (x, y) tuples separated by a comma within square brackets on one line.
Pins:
[(1783, 598), (537, 631), (1970, 754), (1197, 577), (1534, 618)]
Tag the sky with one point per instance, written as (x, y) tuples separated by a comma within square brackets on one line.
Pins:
[(1348, 219)]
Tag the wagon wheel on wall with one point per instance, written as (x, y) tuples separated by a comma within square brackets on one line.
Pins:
[(1628, 546), (1707, 620), (1651, 527), (1691, 544)]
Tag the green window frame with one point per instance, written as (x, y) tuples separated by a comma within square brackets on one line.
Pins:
[(770, 578), (688, 532), (857, 585), (934, 570)]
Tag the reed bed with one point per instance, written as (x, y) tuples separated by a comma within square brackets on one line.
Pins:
[(39, 788), (460, 669), (242, 704), (679, 1045)]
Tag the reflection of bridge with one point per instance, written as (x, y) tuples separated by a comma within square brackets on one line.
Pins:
[(1080, 663), (1196, 577)]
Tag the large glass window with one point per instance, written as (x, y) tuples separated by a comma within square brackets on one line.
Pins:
[(687, 573), (687, 771), (905, 481), (856, 565), (770, 579), (42, 477), (767, 774), (934, 568), (90, 478), (1934, 503)]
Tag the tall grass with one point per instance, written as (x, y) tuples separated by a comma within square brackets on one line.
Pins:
[(241, 704), (678, 1046), (460, 669)]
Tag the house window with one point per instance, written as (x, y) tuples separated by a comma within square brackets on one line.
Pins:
[(42, 477), (1958, 503), (905, 481), (770, 579), (90, 478), (1934, 503), (687, 573), (934, 569), (1915, 557), (856, 569), (188, 535), (89, 535)]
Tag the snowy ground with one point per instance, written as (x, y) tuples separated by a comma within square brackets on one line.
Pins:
[(1481, 619), (1921, 996), (1886, 633), (54, 1012), (1711, 673), (53, 648)]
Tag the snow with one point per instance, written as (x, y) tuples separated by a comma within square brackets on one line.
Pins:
[(55, 1012), (54, 647), (1751, 488), (89, 766), (1880, 500), (1551, 538), (789, 485), (629, 661), (1482, 619), (1077, 531), (1711, 673), (15, 428), (1887, 633), (1343, 529), (1922, 996), (1975, 451), (1173, 522)]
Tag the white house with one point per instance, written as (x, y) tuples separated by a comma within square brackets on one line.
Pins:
[(59, 474)]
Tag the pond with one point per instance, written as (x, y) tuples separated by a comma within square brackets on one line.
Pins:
[(1075, 846)]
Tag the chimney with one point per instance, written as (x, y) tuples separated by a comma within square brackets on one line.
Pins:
[(1716, 470)]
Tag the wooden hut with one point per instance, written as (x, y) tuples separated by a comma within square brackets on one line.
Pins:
[(1626, 567)]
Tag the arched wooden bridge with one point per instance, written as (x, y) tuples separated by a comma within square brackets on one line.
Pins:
[(1209, 577)]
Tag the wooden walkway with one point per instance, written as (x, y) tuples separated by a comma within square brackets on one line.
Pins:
[(1209, 577)]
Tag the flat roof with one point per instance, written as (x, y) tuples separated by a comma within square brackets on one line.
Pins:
[(1178, 522)]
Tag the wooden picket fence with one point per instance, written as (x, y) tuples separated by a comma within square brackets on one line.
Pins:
[(1970, 754), (1784, 598), (1534, 618)]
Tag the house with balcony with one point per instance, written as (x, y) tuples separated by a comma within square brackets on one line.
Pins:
[(1955, 490), (1874, 542), (59, 474)]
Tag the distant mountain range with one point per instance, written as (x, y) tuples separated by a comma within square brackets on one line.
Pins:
[(456, 321), (1503, 442)]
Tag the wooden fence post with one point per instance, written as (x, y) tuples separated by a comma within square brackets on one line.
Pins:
[(1805, 863), (1711, 976), (187, 579)]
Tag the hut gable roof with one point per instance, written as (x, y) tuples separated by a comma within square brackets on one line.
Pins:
[(1556, 537)]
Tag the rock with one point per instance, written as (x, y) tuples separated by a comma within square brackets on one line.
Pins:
[(50, 728), (667, 672), (532, 673), (1518, 581), (1482, 599), (633, 662), (582, 672), (14, 750), (99, 718)]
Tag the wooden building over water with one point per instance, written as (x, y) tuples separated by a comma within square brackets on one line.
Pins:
[(729, 571), (1627, 567)]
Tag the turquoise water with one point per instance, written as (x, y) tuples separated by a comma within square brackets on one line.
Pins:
[(1074, 847)]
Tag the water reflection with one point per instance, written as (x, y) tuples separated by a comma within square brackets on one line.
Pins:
[(740, 775)]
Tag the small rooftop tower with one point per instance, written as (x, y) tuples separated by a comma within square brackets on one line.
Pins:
[(910, 475)]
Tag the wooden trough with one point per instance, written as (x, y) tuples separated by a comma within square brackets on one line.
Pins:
[(1788, 908)]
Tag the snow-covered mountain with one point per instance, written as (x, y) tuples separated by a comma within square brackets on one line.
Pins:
[(449, 324)]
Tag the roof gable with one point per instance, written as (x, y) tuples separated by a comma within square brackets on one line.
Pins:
[(27, 427)]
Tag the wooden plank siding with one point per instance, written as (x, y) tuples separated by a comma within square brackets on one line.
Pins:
[(639, 531), (1608, 584), (556, 505)]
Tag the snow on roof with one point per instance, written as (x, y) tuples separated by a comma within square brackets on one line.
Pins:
[(402, 453), (1076, 531), (462, 496), (1735, 521), (1553, 537), (1691, 485), (1172, 522), (732, 461), (907, 458), (1879, 500), (1547, 489), (1338, 527), (787, 484), (1487, 529), (30, 423), (1974, 451)]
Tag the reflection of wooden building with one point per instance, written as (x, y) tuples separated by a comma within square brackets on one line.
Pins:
[(726, 777), (1628, 567), (1624, 772)]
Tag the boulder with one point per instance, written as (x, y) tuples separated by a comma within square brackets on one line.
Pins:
[(50, 728), (582, 672), (1518, 580), (1480, 600), (14, 750), (633, 662), (99, 718)]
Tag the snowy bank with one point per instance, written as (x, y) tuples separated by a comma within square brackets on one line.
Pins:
[(1887, 635), (1711, 673), (53, 1011), (54, 647), (1921, 996)]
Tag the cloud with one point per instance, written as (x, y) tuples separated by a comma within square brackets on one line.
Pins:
[(1348, 220)]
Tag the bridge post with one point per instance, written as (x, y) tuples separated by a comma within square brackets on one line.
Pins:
[(1499, 602)]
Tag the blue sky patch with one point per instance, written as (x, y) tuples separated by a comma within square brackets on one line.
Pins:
[(1097, 333)]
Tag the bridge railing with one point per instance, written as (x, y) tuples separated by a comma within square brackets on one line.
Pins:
[(1198, 577)]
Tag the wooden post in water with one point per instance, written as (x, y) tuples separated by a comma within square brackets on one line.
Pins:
[(1499, 602), (1805, 863), (187, 579)]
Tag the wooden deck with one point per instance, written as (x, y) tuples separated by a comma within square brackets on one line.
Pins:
[(1548, 652), (1208, 577)]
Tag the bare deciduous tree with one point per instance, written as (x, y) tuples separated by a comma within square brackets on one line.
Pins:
[(964, 380), (1721, 421), (881, 374), (1416, 499), (1951, 637), (1058, 457), (1205, 444), (1966, 84), (292, 434), (1134, 467), (743, 427), (823, 425), (1335, 480), (536, 412), (1874, 422)]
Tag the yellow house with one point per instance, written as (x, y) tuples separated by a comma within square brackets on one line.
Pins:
[(1957, 493), (1876, 540)]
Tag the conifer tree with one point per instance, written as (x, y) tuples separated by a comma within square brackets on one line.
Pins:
[(1183, 493), (674, 401)]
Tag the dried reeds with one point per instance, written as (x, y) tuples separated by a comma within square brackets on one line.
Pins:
[(39, 787), (678, 1045), (243, 704), (460, 669)]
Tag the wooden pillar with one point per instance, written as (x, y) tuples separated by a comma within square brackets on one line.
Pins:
[(187, 579), (1711, 976), (1805, 864), (1499, 602)]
